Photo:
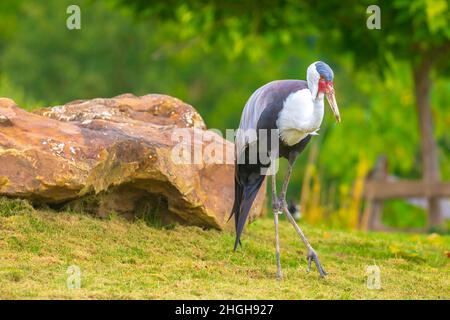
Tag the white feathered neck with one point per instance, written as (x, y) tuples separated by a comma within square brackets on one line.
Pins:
[(303, 111)]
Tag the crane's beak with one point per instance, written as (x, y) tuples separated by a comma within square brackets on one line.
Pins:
[(332, 101)]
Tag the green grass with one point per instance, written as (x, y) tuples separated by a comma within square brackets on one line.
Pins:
[(124, 260)]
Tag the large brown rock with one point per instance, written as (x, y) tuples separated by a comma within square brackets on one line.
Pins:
[(115, 155)]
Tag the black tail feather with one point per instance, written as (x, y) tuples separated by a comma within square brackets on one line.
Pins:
[(248, 180), (238, 193), (249, 196)]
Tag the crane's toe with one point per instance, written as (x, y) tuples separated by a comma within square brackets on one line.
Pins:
[(312, 255)]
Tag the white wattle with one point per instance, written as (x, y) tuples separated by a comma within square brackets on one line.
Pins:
[(301, 115)]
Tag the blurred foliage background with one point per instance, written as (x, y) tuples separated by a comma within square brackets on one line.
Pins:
[(214, 54)]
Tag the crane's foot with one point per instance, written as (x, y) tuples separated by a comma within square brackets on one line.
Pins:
[(312, 255), (279, 276)]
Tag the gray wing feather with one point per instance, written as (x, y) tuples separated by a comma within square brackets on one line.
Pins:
[(250, 116)]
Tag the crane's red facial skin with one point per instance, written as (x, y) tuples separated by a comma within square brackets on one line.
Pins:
[(328, 89), (322, 86), (325, 87)]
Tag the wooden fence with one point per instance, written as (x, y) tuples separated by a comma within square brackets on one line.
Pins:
[(380, 187)]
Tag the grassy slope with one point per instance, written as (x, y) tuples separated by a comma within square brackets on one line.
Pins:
[(119, 259)]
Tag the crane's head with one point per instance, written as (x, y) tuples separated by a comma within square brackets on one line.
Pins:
[(320, 83)]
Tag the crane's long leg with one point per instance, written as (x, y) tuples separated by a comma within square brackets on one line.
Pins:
[(286, 181), (312, 255), (282, 201), (276, 212)]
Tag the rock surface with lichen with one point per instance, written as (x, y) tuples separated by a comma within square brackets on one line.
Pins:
[(115, 155)]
